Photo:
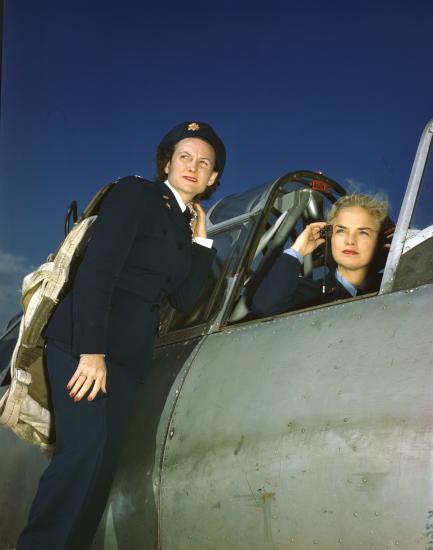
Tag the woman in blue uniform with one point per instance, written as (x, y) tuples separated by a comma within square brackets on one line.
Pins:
[(101, 336), (357, 225)]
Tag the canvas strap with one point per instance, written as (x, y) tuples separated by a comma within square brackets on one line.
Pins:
[(10, 404)]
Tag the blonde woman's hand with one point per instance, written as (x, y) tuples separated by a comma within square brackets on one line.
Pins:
[(91, 374), (199, 227), (309, 239)]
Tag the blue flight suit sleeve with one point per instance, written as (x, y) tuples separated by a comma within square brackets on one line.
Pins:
[(283, 288), (295, 254), (112, 238)]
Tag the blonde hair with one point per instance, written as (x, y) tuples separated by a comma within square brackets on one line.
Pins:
[(375, 206)]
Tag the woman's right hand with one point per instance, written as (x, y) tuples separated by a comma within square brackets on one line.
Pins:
[(199, 226), (91, 371), (309, 239)]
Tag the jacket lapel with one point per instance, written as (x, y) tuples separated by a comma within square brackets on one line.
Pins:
[(334, 289), (173, 209)]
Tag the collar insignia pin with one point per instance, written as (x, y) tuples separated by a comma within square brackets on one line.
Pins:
[(193, 127), (166, 197)]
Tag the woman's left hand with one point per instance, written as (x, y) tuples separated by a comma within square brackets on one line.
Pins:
[(389, 234), (199, 227)]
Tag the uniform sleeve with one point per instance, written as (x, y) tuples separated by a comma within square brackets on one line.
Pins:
[(208, 243), (186, 295), (291, 252), (113, 235), (276, 293)]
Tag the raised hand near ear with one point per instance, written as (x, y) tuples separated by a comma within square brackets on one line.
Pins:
[(388, 233), (309, 239), (199, 225)]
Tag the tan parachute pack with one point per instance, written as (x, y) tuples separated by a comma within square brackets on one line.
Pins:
[(25, 407)]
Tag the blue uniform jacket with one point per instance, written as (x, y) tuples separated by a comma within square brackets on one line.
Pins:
[(284, 289), (139, 253)]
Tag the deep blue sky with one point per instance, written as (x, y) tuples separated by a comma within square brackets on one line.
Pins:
[(89, 88)]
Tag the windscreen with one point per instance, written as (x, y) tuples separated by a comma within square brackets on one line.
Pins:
[(230, 245), (236, 205)]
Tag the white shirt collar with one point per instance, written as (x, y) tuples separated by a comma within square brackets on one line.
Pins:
[(180, 202)]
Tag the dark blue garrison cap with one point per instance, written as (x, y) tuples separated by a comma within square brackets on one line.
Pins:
[(200, 130)]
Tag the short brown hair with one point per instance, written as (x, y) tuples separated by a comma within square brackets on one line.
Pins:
[(165, 155)]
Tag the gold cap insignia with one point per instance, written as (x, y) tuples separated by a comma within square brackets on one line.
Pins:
[(193, 127)]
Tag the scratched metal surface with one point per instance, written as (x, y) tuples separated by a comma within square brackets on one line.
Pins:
[(130, 521), (312, 430)]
